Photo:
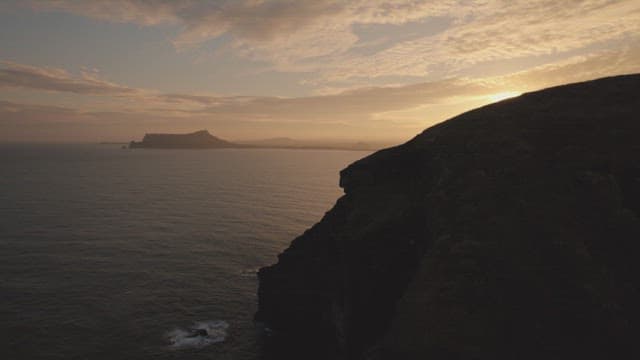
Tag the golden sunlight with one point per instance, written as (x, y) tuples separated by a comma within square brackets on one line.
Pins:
[(503, 95)]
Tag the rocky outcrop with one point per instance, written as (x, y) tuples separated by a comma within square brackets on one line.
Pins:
[(509, 232), (198, 139)]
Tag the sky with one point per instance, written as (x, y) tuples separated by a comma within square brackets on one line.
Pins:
[(361, 70)]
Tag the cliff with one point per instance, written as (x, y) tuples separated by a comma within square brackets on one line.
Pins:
[(198, 139), (509, 232)]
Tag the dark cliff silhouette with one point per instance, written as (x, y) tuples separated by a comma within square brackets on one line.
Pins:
[(509, 232), (199, 139)]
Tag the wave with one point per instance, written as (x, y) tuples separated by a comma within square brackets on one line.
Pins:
[(200, 334)]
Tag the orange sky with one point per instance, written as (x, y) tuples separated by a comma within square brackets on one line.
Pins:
[(245, 69)]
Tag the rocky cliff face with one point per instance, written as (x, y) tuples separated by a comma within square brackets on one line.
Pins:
[(509, 232)]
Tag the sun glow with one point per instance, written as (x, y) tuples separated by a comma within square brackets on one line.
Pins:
[(503, 95)]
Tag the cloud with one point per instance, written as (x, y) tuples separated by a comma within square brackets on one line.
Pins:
[(283, 32), (574, 69), (329, 116), (16, 112), (188, 99), (395, 112), (251, 20), (350, 106), (339, 107), (363, 104), (499, 31), (13, 75), (319, 37), (144, 12), (90, 83), (351, 103)]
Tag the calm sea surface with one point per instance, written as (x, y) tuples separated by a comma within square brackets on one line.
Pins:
[(116, 254)]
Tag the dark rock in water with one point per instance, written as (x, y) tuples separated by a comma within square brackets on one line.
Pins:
[(197, 332), (509, 232), (198, 139)]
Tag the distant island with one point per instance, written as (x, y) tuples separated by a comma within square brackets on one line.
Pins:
[(204, 140), (197, 140)]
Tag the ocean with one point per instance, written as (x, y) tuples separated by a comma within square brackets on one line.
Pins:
[(110, 253)]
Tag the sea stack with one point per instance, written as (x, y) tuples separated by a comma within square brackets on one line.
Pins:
[(509, 232)]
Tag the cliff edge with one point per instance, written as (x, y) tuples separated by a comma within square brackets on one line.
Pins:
[(509, 232)]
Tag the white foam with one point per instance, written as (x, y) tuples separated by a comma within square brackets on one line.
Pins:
[(181, 338)]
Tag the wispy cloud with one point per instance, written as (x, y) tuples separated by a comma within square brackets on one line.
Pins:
[(318, 36), (573, 69), (55, 79), (499, 31), (288, 34), (17, 112), (341, 106), (352, 106), (396, 111)]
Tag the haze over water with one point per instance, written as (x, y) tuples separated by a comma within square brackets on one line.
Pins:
[(111, 254)]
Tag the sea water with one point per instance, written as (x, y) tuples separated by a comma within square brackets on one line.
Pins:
[(110, 253)]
